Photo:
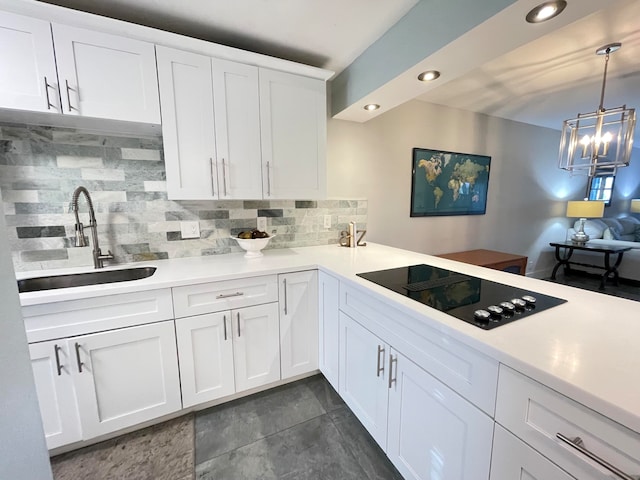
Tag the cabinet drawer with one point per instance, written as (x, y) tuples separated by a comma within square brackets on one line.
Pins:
[(217, 296), (536, 414), (463, 369), (89, 315), (512, 459)]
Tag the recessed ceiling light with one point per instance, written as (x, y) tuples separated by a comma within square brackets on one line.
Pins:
[(546, 11), (371, 106), (428, 75)]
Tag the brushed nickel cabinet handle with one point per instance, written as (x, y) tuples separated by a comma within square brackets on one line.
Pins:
[(238, 317), (380, 367), (224, 322), (224, 177), (228, 295), (213, 176), (285, 295), (80, 364), (68, 94), (268, 180), (46, 90), (392, 360), (577, 444), (56, 350)]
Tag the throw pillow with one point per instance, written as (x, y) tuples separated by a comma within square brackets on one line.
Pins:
[(607, 234), (637, 233), (611, 233)]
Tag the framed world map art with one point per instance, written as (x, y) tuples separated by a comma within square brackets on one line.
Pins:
[(448, 183)]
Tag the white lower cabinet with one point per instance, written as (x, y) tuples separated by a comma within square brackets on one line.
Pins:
[(52, 366), (107, 381), (224, 352), (126, 377), (205, 349), (427, 430), (432, 431), (256, 346), (513, 459), (329, 328), (298, 322), (363, 377), (581, 441)]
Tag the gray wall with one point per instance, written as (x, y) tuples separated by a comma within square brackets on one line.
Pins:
[(23, 452), (527, 191)]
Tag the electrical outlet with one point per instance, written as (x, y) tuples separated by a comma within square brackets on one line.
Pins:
[(190, 229), (262, 224), (327, 221)]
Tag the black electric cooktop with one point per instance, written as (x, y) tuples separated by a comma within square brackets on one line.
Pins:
[(482, 303)]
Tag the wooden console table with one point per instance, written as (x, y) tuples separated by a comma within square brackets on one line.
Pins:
[(569, 247), (491, 259)]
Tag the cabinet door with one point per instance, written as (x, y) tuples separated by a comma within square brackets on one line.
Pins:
[(126, 377), (205, 353), (433, 432), (513, 459), (293, 123), (363, 376), (187, 124), (256, 346), (237, 119), (28, 78), (53, 365), (328, 304), (106, 76), (298, 322)]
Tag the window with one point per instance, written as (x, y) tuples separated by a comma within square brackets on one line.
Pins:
[(601, 188)]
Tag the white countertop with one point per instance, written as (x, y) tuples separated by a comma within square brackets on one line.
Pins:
[(586, 348)]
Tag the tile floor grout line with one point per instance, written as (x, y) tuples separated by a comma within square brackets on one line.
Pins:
[(261, 438), (347, 443)]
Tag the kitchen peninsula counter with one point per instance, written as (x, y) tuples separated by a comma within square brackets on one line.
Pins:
[(585, 348)]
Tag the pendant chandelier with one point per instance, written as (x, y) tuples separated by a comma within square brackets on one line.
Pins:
[(598, 142)]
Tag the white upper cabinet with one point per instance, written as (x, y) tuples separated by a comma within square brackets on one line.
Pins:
[(293, 129), (237, 121), (28, 79), (98, 75), (210, 126), (187, 124), (106, 76)]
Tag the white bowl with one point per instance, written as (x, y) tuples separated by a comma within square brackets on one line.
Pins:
[(253, 245)]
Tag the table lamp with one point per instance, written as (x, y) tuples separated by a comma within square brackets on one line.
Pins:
[(635, 205), (583, 209)]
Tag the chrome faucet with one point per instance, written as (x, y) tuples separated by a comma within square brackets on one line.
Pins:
[(98, 257)]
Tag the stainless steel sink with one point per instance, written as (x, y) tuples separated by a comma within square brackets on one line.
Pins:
[(82, 279)]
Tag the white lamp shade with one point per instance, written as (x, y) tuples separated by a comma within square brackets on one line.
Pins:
[(585, 209), (635, 205)]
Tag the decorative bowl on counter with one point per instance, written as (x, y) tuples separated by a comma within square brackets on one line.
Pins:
[(253, 245)]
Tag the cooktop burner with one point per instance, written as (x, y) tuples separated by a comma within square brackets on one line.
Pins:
[(482, 303)]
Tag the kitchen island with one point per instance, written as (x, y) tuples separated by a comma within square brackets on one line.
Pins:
[(583, 349)]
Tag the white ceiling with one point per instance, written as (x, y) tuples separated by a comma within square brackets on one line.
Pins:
[(540, 78), (323, 33), (558, 75)]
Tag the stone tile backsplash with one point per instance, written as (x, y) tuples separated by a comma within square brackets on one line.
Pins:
[(41, 166)]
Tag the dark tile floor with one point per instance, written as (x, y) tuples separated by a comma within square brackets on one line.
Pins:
[(298, 431), (629, 289)]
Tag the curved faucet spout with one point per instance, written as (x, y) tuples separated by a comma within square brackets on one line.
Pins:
[(98, 257)]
